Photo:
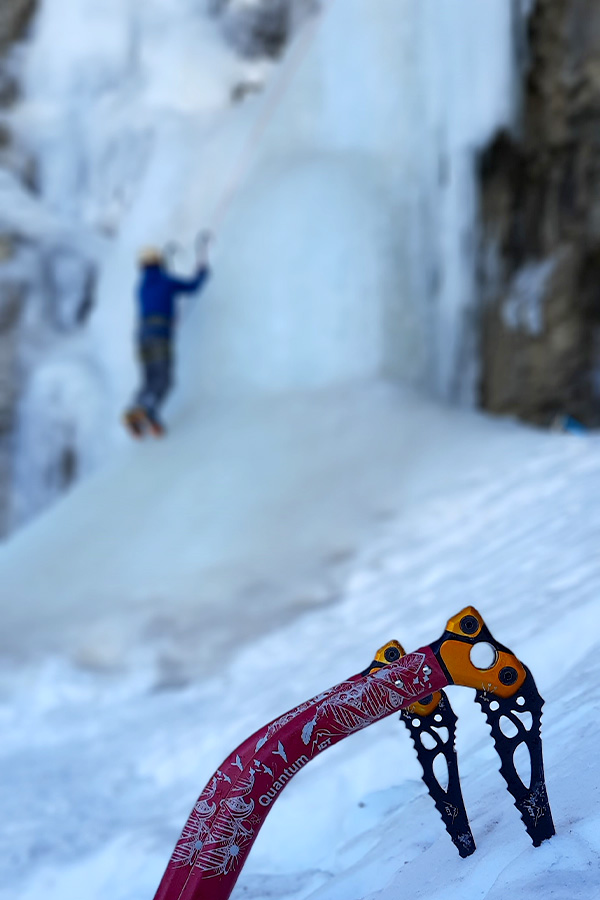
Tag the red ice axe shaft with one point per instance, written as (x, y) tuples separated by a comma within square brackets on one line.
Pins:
[(229, 813)]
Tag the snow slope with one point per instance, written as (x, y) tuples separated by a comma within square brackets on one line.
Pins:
[(101, 767), (243, 508)]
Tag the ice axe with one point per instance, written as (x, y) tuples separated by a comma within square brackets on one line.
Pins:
[(230, 811), (204, 239)]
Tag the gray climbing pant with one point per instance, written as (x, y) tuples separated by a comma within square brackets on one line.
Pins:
[(156, 359)]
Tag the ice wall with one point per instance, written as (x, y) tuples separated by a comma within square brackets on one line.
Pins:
[(351, 251)]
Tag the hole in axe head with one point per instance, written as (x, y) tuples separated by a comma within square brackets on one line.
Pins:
[(483, 655)]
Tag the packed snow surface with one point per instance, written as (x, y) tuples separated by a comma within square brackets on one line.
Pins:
[(107, 745)]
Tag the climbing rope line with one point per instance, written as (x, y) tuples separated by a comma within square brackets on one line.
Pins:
[(257, 131)]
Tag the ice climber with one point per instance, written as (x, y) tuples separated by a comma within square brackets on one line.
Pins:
[(157, 294)]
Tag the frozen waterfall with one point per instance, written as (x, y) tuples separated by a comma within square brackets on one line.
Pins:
[(348, 251)]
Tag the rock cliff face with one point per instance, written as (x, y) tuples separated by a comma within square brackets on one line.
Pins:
[(540, 204), (15, 16)]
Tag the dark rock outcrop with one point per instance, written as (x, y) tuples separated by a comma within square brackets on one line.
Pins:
[(15, 17), (540, 208), (13, 293), (261, 29)]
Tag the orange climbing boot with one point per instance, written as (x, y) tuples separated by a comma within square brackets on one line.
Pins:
[(135, 421), (155, 426)]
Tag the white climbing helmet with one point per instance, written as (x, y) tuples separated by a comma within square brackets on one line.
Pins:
[(151, 256)]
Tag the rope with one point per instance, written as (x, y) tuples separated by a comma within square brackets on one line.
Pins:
[(243, 163)]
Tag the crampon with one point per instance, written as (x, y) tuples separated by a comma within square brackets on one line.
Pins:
[(225, 821)]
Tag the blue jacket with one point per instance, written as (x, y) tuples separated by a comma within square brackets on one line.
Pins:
[(157, 292)]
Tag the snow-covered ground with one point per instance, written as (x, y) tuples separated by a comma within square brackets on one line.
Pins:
[(103, 756)]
